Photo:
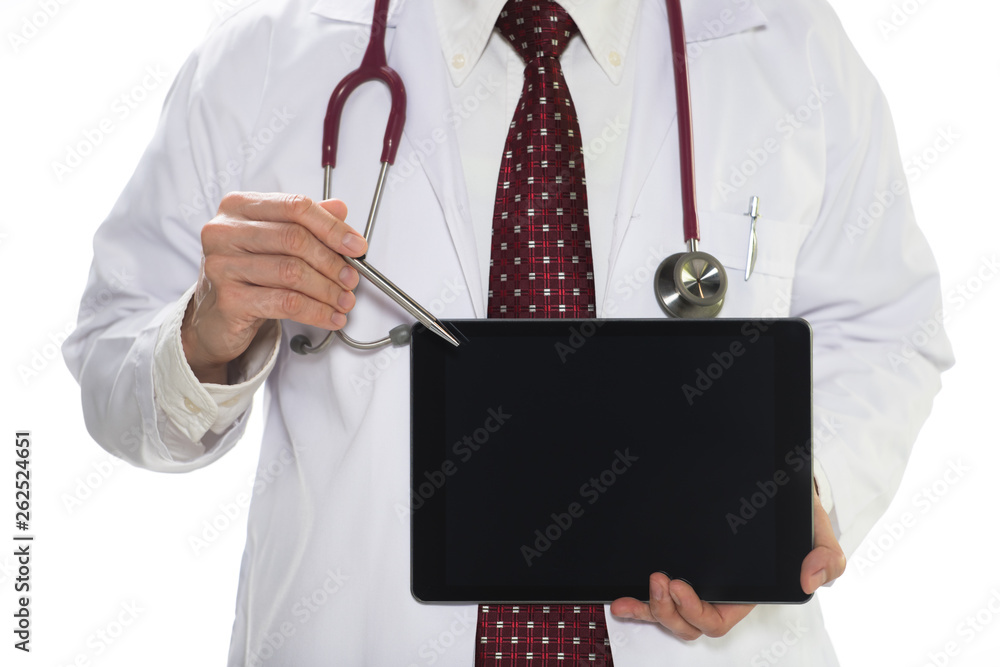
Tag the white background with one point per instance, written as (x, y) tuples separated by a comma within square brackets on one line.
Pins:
[(113, 543)]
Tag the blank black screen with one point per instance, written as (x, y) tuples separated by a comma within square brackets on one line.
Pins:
[(575, 455)]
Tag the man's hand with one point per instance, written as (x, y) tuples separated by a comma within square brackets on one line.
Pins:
[(267, 256), (674, 604)]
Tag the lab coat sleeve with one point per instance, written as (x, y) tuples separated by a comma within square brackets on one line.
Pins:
[(867, 282), (147, 253)]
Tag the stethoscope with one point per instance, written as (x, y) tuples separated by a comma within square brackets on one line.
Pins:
[(690, 284)]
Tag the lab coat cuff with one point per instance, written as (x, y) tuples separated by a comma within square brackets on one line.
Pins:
[(180, 395), (196, 408), (247, 374), (823, 487)]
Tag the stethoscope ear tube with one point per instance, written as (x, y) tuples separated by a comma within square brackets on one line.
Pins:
[(691, 284)]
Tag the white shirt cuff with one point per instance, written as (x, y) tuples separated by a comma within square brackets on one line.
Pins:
[(195, 407)]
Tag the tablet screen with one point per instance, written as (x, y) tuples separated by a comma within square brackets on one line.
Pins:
[(568, 460)]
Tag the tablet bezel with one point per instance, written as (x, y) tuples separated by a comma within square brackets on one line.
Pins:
[(793, 386)]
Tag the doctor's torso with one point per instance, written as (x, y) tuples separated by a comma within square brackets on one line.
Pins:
[(326, 567)]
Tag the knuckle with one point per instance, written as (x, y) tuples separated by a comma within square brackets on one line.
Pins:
[(291, 271), (215, 266), (294, 239), (232, 200), (291, 303), (211, 232), (297, 204)]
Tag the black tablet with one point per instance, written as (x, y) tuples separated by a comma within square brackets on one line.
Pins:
[(567, 460)]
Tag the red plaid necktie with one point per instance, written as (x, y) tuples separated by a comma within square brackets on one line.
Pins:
[(541, 266)]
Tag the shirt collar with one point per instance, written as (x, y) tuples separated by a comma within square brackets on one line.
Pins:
[(360, 11), (464, 27)]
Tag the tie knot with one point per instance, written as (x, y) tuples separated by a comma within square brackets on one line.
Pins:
[(536, 28)]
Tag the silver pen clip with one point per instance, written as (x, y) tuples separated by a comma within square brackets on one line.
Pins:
[(752, 246)]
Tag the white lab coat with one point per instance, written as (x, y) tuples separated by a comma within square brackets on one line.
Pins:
[(328, 522)]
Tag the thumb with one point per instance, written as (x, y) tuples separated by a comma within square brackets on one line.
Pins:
[(338, 210), (826, 561)]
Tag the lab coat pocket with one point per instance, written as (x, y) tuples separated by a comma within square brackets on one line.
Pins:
[(768, 292)]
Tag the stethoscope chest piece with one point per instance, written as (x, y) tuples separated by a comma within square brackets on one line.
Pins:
[(691, 285)]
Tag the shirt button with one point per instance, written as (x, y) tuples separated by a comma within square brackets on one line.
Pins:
[(615, 58), (231, 402), (458, 61), (192, 408)]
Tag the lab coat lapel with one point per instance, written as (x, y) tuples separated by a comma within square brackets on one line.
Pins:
[(416, 54), (654, 112)]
